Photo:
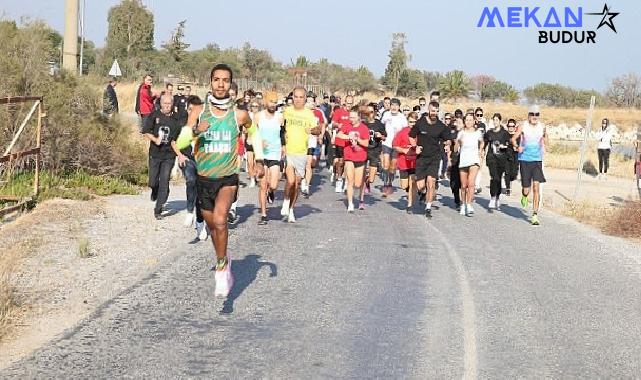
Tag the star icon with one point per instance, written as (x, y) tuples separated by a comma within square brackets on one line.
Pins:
[(607, 17)]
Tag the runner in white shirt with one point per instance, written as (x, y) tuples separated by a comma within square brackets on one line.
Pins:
[(604, 146), (394, 121)]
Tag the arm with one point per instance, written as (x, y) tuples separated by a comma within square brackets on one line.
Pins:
[(137, 107), (546, 140), (148, 131)]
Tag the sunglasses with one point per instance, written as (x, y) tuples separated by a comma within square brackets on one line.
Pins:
[(533, 114), (479, 115), (411, 121), (422, 104), (254, 105), (448, 118), (511, 125)]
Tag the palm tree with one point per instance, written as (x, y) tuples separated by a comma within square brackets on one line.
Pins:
[(454, 84)]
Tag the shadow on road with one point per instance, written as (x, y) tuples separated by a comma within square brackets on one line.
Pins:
[(245, 272)]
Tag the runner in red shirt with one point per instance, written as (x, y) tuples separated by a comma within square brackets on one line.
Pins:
[(406, 159), (340, 119), (355, 152)]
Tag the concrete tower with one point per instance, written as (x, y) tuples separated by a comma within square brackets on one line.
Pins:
[(70, 46)]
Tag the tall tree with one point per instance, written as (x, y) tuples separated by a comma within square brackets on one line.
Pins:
[(131, 29), (454, 85), (176, 46), (397, 62)]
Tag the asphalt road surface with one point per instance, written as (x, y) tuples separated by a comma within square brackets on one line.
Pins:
[(375, 294)]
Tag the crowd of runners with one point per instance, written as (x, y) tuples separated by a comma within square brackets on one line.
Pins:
[(300, 135)]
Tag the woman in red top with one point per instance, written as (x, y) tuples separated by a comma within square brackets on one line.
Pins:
[(355, 154), (406, 159)]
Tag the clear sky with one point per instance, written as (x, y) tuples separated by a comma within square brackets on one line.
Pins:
[(442, 35)]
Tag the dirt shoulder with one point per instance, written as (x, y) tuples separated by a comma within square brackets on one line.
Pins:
[(74, 256)]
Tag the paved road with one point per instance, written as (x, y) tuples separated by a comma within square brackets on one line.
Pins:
[(375, 294)]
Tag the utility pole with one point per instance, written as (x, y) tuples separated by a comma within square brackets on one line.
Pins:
[(586, 133), (70, 46), (82, 36)]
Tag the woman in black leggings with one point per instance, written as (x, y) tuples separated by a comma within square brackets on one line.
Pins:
[(604, 138)]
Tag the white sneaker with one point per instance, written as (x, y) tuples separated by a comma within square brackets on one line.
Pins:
[(201, 231), (339, 186), (350, 207), (284, 211), (492, 204), (463, 210), (303, 184), (291, 218), (252, 183), (224, 280), (189, 219), (470, 209), (331, 177), (497, 203)]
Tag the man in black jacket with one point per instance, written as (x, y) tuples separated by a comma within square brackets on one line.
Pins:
[(110, 99)]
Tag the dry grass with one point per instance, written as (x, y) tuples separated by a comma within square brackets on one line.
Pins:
[(563, 156), (625, 221)]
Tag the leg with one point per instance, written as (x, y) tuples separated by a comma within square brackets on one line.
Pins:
[(349, 172), (359, 173), (606, 161), (411, 185), (217, 219), (262, 193), (473, 172), (154, 173), (250, 165), (392, 171), (495, 179), (385, 163), (189, 172), (536, 196), (308, 170), (431, 189), (464, 185), (163, 184)]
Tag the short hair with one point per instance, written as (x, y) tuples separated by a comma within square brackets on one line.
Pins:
[(512, 121), (447, 114), (147, 75), (497, 115), (299, 88), (249, 92), (421, 98), (413, 115), (435, 93), (224, 67), (416, 108), (113, 80), (194, 100), (478, 109), (434, 104), (354, 109), (187, 87), (169, 84), (386, 98)]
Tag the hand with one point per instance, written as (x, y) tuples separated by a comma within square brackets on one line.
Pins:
[(419, 150), (520, 150), (378, 135), (181, 160), (158, 140), (203, 126)]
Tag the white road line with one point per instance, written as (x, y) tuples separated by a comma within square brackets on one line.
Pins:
[(469, 315)]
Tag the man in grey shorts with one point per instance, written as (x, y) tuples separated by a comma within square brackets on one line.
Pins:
[(394, 121)]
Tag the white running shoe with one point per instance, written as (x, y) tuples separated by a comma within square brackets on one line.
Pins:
[(224, 279), (189, 219), (350, 207), (284, 211), (470, 209), (463, 210), (291, 218), (492, 204), (339, 186), (201, 231)]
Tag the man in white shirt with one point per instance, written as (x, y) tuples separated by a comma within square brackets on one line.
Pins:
[(394, 121)]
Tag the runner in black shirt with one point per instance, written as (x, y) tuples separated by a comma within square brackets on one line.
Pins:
[(377, 135), (428, 135), (512, 158), (479, 123), (497, 141), (161, 128), (455, 175)]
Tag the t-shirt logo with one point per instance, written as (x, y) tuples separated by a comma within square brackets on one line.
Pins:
[(163, 133), (217, 141)]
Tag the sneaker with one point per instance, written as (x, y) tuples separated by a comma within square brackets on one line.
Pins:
[(524, 201), (408, 210), (497, 204), (535, 220), (339, 186), (350, 207), (458, 207), (421, 196), (290, 217), (367, 187), (263, 220), (224, 278), (284, 211), (492, 205), (428, 213), (508, 192), (462, 210), (270, 197), (252, 183), (201, 231), (158, 216), (384, 191), (470, 210), (361, 206), (305, 191), (189, 219), (478, 190), (232, 218)]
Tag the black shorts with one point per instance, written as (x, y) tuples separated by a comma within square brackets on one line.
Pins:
[(270, 163), (207, 190), (405, 174), (249, 148), (357, 164), (531, 171), (310, 151), (374, 158), (427, 168), (338, 151)]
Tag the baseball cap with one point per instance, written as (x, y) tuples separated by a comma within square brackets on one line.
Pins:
[(534, 109)]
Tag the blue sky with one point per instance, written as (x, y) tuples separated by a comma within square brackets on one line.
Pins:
[(442, 35)]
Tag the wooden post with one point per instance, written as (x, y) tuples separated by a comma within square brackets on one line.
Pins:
[(588, 128), (36, 178)]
